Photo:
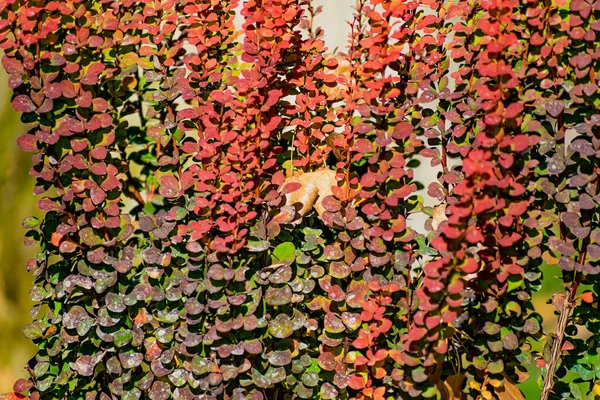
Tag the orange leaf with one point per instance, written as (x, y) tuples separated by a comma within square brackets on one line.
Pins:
[(395, 355), (51, 330), (142, 318), (56, 238), (540, 363), (356, 382), (153, 350), (587, 297), (12, 396)]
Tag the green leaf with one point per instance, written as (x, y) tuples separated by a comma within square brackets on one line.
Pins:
[(514, 282), (281, 326), (285, 252), (89, 237), (121, 338), (260, 380), (423, 248), (575, 391), (496, 367), (583, 372), (258, 245), (33, 331)]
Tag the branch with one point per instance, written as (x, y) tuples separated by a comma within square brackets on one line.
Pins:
[(563, 321), (131, 191)]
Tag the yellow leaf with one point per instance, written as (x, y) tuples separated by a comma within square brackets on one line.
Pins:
[(549, 258), (129, 59), (487, 395), (129, 83), (145, 63), (596, 388), (495, 383)]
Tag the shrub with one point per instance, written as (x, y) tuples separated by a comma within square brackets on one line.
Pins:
[(228, 211)]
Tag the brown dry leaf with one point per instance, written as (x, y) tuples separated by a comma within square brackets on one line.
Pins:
[(437, 374), (342, 72), (452, 388), (315, 187), (338, 151), (455, 384), (444, 394), (439, 216), (325, 180), (558, 301), (509, 391), (304, 198)]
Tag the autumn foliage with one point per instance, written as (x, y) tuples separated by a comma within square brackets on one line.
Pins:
[(228, 205)]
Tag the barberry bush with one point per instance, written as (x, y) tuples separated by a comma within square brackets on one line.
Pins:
[(229, 206)]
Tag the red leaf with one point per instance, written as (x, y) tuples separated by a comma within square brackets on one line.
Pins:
[(416, 333), (363, 341), (474, 235), (22, 385), (470, 266), (291, 187), (432, 285), (567, 346), (27, 143), (23, 103), (385, 325), (517, 208), (363, 146), (360, 360), (520, 142), (169, 186), (402, 130)]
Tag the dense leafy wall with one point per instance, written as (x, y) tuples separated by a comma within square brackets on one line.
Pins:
[(228, 211)]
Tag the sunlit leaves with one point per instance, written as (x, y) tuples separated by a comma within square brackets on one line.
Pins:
[(231, 213)]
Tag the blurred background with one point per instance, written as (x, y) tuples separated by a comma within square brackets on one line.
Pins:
[(17, 202)]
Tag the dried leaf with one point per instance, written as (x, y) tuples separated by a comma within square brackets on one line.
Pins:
[(338, 151), (509, 391), (451, 389), (439, 216), (558, 301), (315, 187)]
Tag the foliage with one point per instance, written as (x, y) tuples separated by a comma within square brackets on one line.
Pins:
[(227, 211)]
